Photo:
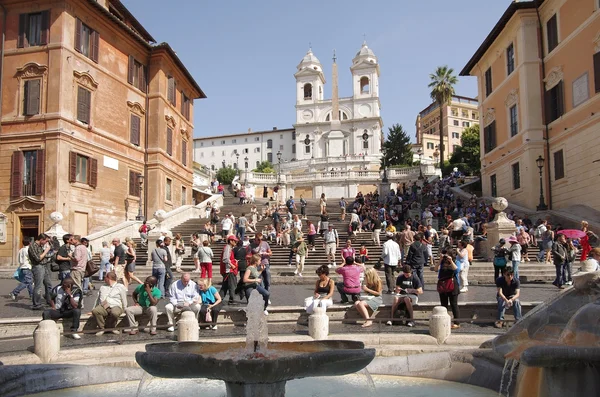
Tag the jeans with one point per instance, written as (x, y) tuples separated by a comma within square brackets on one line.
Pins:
[(515, 266), (266, 276), (567, 272), (229, 285), (160, 277), (560, 269), (241, 232), (453, 299), (542, 252), (516, 309), (27, 283), (389, 277), (342, 290), (168, 278), (498, 270), (419, 272), (64, 274), (41, 279), (104, 268), (75, 314), (261, 290)]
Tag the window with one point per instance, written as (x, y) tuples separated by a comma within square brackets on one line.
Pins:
[(559, 165), (136, 74), (493, 186), (245, 139), (257, 150), (280, 147), (280, 136), (489, 137), (212, 167), (83, 169), (168, 189), (222, 142), (87, 40), (514, 123), (184, 152), (84, 103), (33, 29), (307, 149), (430, 145), (185, 106), (474, 116), (234, 141), (134, 130), (235, 166), (270, 144), (554, 102), (31, 97), (364, 85), (510, 59), (456, 122), (245, 165), (293, 135), (488, 81), (223, 153), (454, 112), (365, 144), (465, 114), (597, 72), (172, 90), (246, 151), (308, 91), (516, 176), (270, 157), (134, 185), (201, 144), (27, 173), (257, 163), (466, 124), (455, 135), (169, 141), (552, 32), (202, 154), (293, 148), (256, 139), (183, 195)]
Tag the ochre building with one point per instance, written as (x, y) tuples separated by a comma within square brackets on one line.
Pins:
[(90, 104), (538, 77)]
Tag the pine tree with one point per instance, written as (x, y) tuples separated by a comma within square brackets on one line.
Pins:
[(397, 147)]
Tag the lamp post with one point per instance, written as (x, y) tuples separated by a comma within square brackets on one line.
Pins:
[(542, 205), (237, 162), (140, 181), (385, 177), (279, 167), (420, 154), (246, 168)]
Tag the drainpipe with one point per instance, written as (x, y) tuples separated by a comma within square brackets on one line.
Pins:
[(547, 134), (146, 133), (2, 58)]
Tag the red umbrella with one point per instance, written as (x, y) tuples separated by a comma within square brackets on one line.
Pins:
[(572, 233)]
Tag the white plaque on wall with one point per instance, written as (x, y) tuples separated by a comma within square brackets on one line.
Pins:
[(111, 163), (581, 91), (3, 222)]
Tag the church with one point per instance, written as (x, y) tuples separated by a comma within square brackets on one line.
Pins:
[(334, 146)]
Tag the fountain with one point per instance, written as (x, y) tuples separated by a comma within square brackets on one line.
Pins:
[(557, 345), (254, 368)]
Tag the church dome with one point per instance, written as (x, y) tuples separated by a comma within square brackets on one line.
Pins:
[(310, 61), (365, 53)]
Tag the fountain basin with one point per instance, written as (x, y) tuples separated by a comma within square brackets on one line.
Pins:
[(285, 360)]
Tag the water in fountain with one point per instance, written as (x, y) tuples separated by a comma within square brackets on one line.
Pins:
[(257, 335), (144, 382)]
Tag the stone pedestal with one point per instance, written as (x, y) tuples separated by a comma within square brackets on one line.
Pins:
[(439, 324), (501, 226), (46, 341), (56, 230), (318, 324), (384, 191), (188, 329)]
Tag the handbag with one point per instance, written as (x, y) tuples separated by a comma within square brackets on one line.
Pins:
[(18, 275), (54, 267), (91, 268), (208, 317), (445, 285), (500, 261)]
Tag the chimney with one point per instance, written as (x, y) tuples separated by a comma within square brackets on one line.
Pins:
[(274, 128)]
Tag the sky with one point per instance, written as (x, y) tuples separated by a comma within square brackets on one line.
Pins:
[(244, 53)]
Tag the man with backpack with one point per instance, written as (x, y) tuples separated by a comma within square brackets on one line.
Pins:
[(416, 257), (539, 238), (291, 205), (303, 204)]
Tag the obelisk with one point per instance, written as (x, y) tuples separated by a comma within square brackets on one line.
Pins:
[(335, 137), (335, 103)]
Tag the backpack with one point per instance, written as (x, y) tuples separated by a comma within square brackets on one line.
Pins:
[(593, 240), (288, 203), (538, 232)]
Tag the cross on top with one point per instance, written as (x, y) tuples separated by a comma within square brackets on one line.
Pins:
[(334, 57)]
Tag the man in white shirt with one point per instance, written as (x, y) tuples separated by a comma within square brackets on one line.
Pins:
[(458, 229), (390, 254), (331, 242), (184, 296), (354, 222), (427, 216), (111, 303), (226, 225)]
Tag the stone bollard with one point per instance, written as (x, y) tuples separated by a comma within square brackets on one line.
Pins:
[(318, 324), (439, 324), (188, 329), (46, 341)]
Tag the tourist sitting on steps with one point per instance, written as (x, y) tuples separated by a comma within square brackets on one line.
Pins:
[(323, 294), (372, 296), (408, 288), (111, 303), (508, 296), (253, 281), (350, 284), (145, 298), (66, 302), (211, 304), (183, 296)]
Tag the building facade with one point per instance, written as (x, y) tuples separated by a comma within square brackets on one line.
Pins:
[(97, 120), (463, 112), (538, 77)]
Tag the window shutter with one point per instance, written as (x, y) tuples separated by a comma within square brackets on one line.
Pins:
[(72, 167), (182, 104), (184, 152), (23, 19), (16, 171), (87, 105), (169, 141), (143, 83), (95, 43), (597, 72), (131, 69), (32, 97), (174, 93), (171, 89), (40, 173), (131, 183), (560, 100), (78, 31), (93, 179), (83, 105), (45, 33), (135, 130)]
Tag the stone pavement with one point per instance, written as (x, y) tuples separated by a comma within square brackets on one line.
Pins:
[(281, 295)]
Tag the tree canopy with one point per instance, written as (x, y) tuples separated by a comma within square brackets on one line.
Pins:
[(225, 175), (265, 167), (442, 90), (466, 156), (397, 147)]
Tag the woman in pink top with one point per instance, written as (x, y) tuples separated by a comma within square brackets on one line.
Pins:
[(312, 233), (350, 284), (348, 251)]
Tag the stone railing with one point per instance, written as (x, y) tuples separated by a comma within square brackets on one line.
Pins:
[(171, 219), (340, 161)]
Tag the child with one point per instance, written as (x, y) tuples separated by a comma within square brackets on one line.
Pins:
[(25, 266), (279, 238), (301, 250), (500, 254), (364, 254)]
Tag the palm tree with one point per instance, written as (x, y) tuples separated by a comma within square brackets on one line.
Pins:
[(442, 90)]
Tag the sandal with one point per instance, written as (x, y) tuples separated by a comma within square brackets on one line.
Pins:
[(367, 324), (455, 326), (134, 332)]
